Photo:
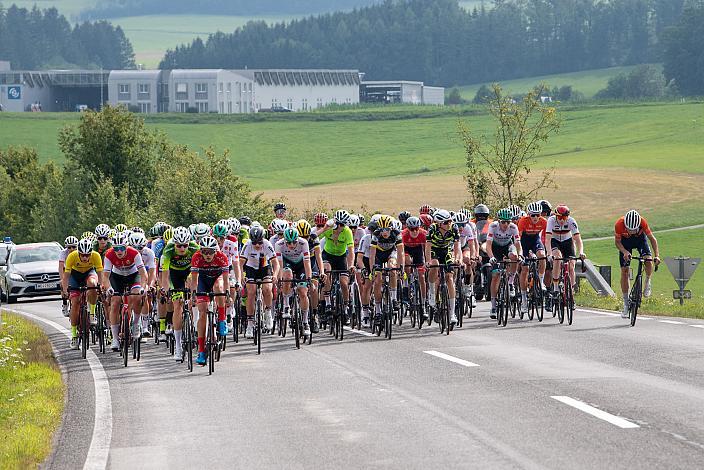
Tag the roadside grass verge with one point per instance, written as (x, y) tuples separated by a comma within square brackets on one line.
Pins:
[(31, 394), (657, 305)]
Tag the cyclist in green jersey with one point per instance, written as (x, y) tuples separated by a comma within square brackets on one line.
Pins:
[(338, 253)]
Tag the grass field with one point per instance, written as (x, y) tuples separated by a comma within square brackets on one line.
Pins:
[(587, 82), (31, 394), (655, 151)]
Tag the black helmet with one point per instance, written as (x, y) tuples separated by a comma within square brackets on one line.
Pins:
[(279, 206), (256, 234), (482, 209), (546, 207), (403, 216), (244, 220)]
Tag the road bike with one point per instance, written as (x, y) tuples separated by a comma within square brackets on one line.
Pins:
[(442, 309), (563, 301), (416, 304), (337, 314), (635, 296), (215, 343), (534, 289), (258, 311), (296, 315), (83, 318), (130, 330), (504, 300), (387, 306)]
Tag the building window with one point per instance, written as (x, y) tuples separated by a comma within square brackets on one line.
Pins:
[(145, 108), (202, 107), (229, 87), (320, 103), (304, 106), (220, 87), (181, 107), (143, 89), (123, 92), (222, 107), (201, 91), (181, 91), (289, 103)]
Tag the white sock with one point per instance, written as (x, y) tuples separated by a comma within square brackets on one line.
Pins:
[(493, 302), (177, 338), (377, 308), (452, 306), (524, 296), (625, 299), (305, 316), (393, 294), (115, 332), (431, 295)]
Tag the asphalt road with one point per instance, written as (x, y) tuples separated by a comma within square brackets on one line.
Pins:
[(597, 394)]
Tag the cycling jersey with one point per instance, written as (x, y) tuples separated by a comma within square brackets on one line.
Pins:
[(482, 228), (358, 234), (74, 263), (96, 248), (382, 243), (365, 245), (620, 230), (230, 248), (158, 246), (295, 254), (337, 245), (149, 258), (128, 264), (438, 240), (63, 254), (274, 239), (410, 242), (527, 227), (219, 265), (468, 233), (175, 262), (502, 237), (561, 230), (258, 258)]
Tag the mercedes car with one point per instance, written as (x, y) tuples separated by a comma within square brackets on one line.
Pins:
[(29, 270)]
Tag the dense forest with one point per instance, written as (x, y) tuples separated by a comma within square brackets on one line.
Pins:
[(118, 8), (40, 39), (441, 43)]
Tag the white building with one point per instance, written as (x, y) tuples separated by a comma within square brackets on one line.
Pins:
[(402, 91)]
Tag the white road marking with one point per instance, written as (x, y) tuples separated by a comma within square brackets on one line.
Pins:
[(596, 412), (454, 359), (99, 449), (697, 326), (671, 322), (359, 332), (609, 314)]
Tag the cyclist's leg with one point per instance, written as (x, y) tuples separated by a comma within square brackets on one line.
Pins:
[(92, 295), (432, 280), (377, 292), (115, 306), (75, 280)]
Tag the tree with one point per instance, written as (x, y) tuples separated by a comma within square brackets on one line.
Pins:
[(499, 170), (455, 97), (683, 53), (644, 81), (482, 96)]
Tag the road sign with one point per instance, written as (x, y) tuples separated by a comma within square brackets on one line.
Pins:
[(682, 268), (681, 294), (14, 92)]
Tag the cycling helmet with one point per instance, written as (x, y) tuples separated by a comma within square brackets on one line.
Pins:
[(120, 239), (120, 227), (102, 230), (425, 209), (546, 207), (279, 206), (354, 221), (169, 234), (244, 220), (88, 236), (290, 235), (342, 217), (515, 211), (426, 220), (208, 243), (152, 232), (320, 218), (71, 241), (460, 218), (257, 224), (482, 209), (384, 222), (374, 223), (396, 225), (535, 208), (466, 213), (504, 214), (225, 222), (413, 222), (403, 216), (201, 230), (441, 215), (562, 210), (361, 219), (221, 230), (235, 226), (279, 225), (85, 246), (192, 229), (256, 234), (303, 228), (138, 240), (181, 236), (137, 230), (632, 220), (161, 228)]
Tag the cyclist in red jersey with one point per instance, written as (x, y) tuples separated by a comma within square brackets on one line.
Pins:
[(531, 228), (632, 232), (209, 272), (414, 239)]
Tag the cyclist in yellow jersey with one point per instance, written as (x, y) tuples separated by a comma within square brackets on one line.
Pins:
[(82, 266)]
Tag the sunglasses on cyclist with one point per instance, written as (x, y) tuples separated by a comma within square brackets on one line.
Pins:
[(504, 221), (413, 229), (207, 251), (182, 245), (84, 255), (447, 222), (460, 225), (257, 243), (535, 215), (119, 248), (70, 247), (103, 238)]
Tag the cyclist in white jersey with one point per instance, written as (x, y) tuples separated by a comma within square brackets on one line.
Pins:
[(362, 252), (470, 250), (503, 241), (278, 226), (229, 246), (561, 236), (260, 264), (293, 255), (139, 242)]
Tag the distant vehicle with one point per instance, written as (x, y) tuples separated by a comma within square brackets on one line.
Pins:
[(276, 109), (81, 107), (29, 270)]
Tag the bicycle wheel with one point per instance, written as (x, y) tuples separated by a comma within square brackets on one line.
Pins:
[(83, 327), (100, 327), (258, 333), (500, 301), (445, 313), (210, 343), (138, 340), (388, 312), (459, 297), (569, 303), (507, 303), (187, 340), (125, 338), (635, 299), (413, 299), (559, 304), (539, 302)]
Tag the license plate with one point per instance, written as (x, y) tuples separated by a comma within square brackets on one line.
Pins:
[(46, 286)]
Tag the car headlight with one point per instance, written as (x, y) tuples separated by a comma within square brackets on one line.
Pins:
[(17, 277)]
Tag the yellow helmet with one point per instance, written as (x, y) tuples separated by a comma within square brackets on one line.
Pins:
[(384, 222), (168, 235), (120, 228), (303, 228), (89, 235)]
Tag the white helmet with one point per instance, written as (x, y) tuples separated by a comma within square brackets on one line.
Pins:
[(201, 230), (342, 217), (85, 246), (354, 220), (120, 238), (71, 240), (632, 220), (235, 226), (102, 230), (181, 236), (192, 229), (396, 225), (138, 240), (209, 243), (460, 218), (279, 225), (413, 222), (535, 208), (441, 215)]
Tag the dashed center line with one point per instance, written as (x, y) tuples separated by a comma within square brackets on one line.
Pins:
[(596, 412), (454, 359), (671, 322), (359, 332), (697, 326)]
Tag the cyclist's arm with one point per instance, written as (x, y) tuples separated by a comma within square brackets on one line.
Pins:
[(654, 244), (145, 277), (548, 245), (519, 249), (307, 268), (372, 256), (579, 244), (319, 259), (350, 256), (275, 267), (237, 270), (426, 248), (619, 246), (401, 255), (489, 249), (457, 250)]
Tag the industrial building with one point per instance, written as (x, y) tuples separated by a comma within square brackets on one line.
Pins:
[(202, 90)]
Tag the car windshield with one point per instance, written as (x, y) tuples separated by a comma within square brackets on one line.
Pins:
[(29, 255), (3, 253)]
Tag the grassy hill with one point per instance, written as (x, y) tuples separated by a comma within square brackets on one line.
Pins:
[(587, 82)]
